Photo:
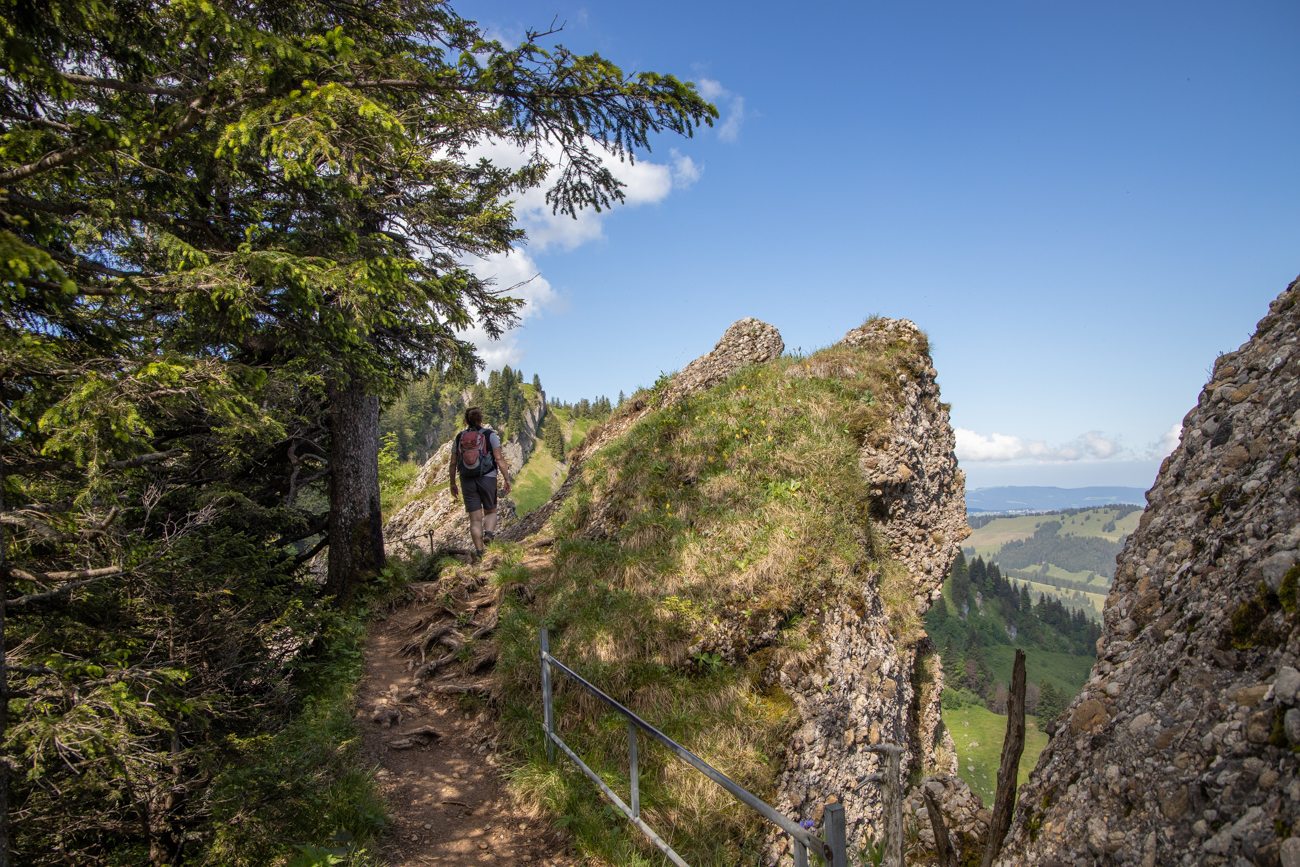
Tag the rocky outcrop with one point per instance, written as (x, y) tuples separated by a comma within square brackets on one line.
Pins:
[(524, 441), (434, 519), (874, 686), (747, 341), (1180, 748)]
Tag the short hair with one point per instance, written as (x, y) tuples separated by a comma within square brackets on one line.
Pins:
[(474, 417)]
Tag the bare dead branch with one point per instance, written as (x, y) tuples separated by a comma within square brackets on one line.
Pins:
[(311, 552), (1005, 803), (97, 575), (942, 843), (127, 86), (144, 460)]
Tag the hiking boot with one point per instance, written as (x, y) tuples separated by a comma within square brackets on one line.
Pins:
[(488, 538)]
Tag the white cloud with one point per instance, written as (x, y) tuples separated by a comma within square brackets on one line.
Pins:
[(972, 446), (517, 273), (685, 171), (714, 92), (646, 183), (1165, 446)]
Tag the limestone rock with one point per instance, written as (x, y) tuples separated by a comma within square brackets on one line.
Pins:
[(1290, 852), (747, 341), (1088, 716), (1287, 685), (1183, 752), (921, 513)]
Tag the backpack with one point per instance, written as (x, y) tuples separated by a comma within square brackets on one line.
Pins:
[(474, 453)]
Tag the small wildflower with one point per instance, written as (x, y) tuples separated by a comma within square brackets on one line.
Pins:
[(769, 438)]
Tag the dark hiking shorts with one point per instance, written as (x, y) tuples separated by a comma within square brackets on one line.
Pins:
[(480, 493)]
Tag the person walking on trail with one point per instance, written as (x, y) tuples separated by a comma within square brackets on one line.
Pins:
[(475, 459)]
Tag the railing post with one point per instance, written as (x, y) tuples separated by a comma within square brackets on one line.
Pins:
[(548, 720), (636, 770), (800, 854), (893, 854), (835, 835)]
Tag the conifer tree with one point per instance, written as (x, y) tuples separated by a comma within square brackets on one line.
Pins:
[(227, 231), (553, 436), (1050, 701)]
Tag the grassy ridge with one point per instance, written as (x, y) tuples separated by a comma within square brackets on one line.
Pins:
[(737, 508)]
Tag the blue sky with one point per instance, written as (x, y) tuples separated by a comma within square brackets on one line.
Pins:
[(1081, 203)]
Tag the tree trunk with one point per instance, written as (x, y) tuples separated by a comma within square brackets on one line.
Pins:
[(942, 843), (1013, 745), (4, 680), (356, 533)]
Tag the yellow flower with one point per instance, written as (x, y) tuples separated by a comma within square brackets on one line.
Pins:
[(769, 439)]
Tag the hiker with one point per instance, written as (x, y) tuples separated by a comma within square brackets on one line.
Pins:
[(475, 458)]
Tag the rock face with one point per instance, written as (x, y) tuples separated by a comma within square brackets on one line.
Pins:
[(435, 519), (747, 341), (521, 446), (873, 687), (1179, 748)]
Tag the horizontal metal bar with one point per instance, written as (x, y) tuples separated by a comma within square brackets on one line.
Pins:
[(741, 794), (618, 802)]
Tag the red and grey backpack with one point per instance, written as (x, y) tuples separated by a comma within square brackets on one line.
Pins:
[(474, 452)]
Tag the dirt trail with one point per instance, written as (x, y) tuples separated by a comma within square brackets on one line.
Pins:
[(433, 744)]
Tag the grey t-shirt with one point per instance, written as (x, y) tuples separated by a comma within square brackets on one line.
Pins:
[(494, 443)]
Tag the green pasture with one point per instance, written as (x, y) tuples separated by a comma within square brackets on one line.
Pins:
[(533, 487), (978, 734)]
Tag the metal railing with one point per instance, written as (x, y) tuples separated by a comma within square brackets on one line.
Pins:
[(833, 849)]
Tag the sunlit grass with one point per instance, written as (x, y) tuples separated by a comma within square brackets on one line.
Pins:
[(978, 734)]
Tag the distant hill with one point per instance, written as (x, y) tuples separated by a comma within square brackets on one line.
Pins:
[(1068, 554), (1024, 499)]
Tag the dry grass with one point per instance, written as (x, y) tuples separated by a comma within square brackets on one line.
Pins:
[(742, 507)]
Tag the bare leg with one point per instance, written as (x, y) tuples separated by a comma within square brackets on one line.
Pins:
[(476, 528), (490, 521)]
